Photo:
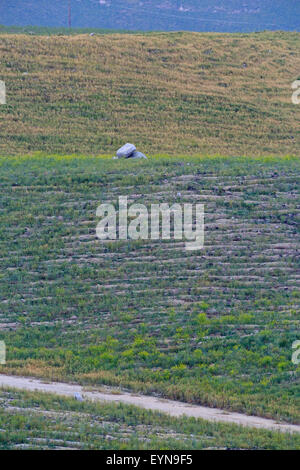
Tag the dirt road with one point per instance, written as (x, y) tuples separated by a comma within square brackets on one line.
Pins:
[(173, 408)]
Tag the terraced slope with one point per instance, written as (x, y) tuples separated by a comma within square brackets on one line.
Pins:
[(73, 425), (214, 327), (177, 93)]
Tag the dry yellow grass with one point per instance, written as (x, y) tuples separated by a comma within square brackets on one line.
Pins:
[(166, 92)]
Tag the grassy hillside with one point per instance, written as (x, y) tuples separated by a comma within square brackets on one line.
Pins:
[(73, 425), (214, 327), (167, 92)]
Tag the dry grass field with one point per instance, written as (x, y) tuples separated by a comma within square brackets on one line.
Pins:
[(167, 92)]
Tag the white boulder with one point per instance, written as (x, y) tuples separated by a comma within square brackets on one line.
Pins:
[(126, 151)]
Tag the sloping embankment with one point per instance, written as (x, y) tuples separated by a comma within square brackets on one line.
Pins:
[(173, 408)]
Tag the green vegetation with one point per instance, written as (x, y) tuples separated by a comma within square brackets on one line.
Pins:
[(214, 327), (180, 93), (74, 425)]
